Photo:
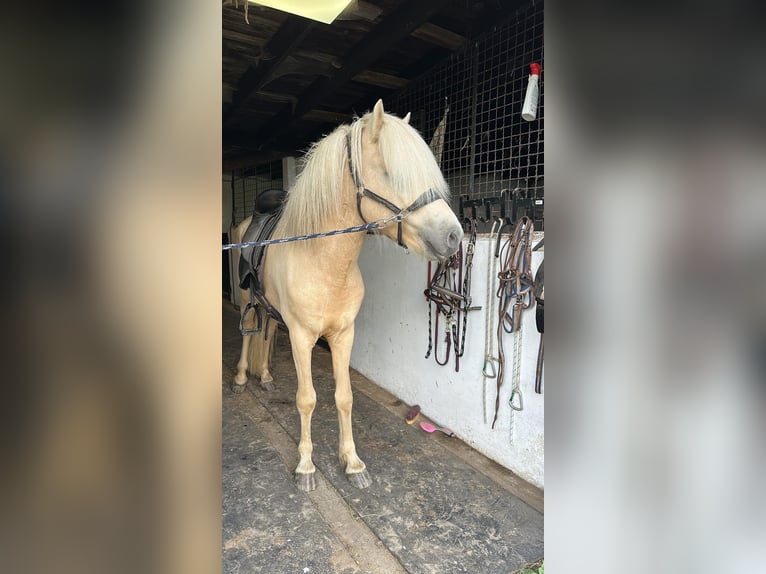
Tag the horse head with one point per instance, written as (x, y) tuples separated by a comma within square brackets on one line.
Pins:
[(394, 170)]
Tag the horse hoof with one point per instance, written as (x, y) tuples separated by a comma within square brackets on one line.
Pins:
[(267, 385), (306, 481), (360, 479), (237, 389)]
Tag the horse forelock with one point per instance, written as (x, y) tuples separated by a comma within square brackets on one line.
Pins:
[(410, 163)]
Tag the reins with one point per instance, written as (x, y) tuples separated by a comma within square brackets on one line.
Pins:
[(515, 292)]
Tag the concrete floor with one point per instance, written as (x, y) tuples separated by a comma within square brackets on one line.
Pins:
[(435, 505)]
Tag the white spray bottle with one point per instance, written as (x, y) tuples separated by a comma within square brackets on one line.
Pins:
[(529, 110)]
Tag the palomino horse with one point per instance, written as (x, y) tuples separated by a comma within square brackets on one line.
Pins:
[(360, 172)]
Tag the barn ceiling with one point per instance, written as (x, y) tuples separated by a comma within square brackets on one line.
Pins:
[(287, 80)]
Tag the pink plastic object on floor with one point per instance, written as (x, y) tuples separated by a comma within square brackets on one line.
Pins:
[(428, 427)]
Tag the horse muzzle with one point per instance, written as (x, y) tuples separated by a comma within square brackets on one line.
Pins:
[(443, 240)]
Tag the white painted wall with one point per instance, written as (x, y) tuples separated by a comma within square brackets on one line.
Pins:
[(391, 341)]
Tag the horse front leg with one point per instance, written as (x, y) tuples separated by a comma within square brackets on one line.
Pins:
[(340, 345), (305, 399)]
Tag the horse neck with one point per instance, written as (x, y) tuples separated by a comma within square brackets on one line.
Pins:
[(340, 253), (349, 246)]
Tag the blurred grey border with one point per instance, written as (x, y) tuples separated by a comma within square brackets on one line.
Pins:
[(656, 208), (110, 166)]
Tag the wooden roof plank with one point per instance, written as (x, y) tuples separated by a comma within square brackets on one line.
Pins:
[(290, 35), (380, 79), (399, 25), (439, 36)]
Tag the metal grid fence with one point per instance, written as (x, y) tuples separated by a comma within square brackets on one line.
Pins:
[(247, 183), (487, 147)]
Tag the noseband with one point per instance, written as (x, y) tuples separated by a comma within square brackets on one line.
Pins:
[(362, 191)]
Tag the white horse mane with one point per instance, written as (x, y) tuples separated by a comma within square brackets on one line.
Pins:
[(316, 201)]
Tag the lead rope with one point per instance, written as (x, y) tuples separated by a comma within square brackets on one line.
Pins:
[(515, 287), (489, 370)]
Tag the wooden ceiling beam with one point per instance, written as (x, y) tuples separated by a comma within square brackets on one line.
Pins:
[(392, 30), (327, 116), (286, 39), (275, 97), (381, 79), (439, 36), (357, 9)]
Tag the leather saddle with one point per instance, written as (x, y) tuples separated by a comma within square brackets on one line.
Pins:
[(268, 208)]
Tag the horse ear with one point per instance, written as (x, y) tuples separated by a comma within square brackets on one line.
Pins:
[(406, 119), (377, 121)]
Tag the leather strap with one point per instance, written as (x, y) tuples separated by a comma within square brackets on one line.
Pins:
[(540, 321), (452, 298), (539, 369), (515, 289), (362, 191)]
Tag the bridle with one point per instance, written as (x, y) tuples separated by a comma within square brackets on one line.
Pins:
[(452, 297), (363, 191), (516, 293)]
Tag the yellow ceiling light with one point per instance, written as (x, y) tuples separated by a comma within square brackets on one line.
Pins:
[(321, 10)]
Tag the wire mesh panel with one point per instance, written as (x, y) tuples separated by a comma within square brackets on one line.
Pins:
[(489, 151), (248, 183)]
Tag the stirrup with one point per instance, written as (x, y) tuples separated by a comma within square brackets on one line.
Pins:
[(490, 362), (516, 393), (254, 306)]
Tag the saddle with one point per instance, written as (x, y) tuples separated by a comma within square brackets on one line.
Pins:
[(268, 208)]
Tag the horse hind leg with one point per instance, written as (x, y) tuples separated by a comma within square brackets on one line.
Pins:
[(261, 350), (248, 322), (240, 379), (356, 470)]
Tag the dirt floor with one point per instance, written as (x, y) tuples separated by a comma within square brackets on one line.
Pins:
[(435, 505)]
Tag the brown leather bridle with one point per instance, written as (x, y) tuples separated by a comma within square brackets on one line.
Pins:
[(363, 191)]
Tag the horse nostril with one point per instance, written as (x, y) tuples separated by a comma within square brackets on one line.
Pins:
[(452, 240)]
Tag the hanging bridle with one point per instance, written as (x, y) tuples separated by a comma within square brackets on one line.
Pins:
[(516, 293), (452, 297), (362, 191)]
